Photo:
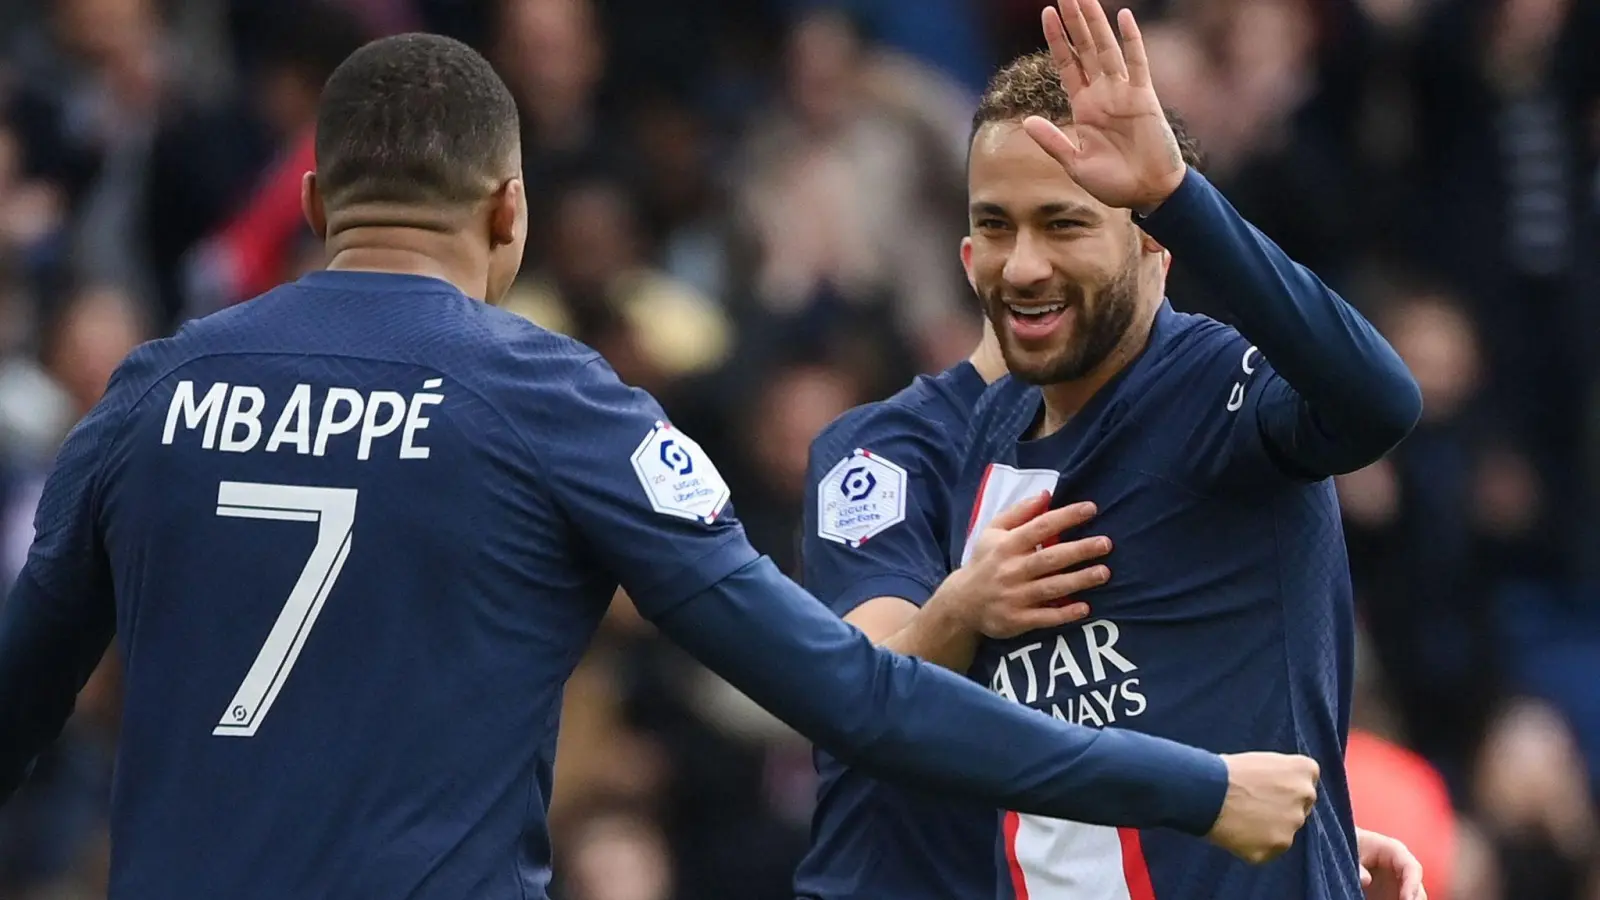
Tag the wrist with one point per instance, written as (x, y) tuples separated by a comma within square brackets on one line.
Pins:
[(1168, 187), (944, 614)]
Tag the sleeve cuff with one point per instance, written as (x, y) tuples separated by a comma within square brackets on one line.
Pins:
[(912, 590), (1186, 205), (1197, 799)]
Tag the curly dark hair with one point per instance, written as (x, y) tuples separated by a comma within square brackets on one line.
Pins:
[(1030, 86)]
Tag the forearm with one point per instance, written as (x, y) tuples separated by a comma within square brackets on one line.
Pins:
[(46, 656), (1356, 392), (919, 724), (936, 637)]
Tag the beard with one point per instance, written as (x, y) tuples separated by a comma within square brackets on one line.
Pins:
[(1102, 322)]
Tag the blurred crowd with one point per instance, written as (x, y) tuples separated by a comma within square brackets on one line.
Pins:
[(752, 208)]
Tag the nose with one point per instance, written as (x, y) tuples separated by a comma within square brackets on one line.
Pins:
[(1026, 267)]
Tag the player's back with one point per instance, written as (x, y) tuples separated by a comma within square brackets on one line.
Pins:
[(345, 606)]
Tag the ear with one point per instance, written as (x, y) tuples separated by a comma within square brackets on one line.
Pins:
[(312, 207), (508, 213), (1149, 244), (966, 262)]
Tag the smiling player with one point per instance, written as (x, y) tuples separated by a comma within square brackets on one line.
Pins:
[(1206, 450)]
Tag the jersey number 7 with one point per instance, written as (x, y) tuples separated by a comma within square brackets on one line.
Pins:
[(334, 512)]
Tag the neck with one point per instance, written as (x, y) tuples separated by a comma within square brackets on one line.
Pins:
[(987, 358), (1064, 399), (410, 251)]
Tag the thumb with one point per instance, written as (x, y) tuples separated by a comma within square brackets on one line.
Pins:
[(1052, 140), (1366, 877), (1024, 511)]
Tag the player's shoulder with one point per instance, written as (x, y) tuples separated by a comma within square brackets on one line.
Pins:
[(1198, 354), (871, 462), (1193, 341), (920, 425), (520, 349)]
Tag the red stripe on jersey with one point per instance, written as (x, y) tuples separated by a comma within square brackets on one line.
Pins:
[(977, 502), (1019, 882), (1134, 868)]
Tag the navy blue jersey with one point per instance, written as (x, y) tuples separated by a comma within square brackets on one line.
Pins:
[(353, 536), (357, 549), (877, 518), (1227, 622)]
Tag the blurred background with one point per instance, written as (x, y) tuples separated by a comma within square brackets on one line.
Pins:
[(752, 208)]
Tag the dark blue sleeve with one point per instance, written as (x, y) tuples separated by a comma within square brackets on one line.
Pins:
[(1338, 397), (875, 509), (917, 724), (648, 504), (61, 613)]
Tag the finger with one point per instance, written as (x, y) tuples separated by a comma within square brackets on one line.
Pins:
[(1023, 511), (1411, 883), (1050, 617), (1066, 584), (1052, 140), (1366, 878), (1133, 49), (1049, 525), (1061, 53), (1066, 555), (1106, 46), (1082, 38)]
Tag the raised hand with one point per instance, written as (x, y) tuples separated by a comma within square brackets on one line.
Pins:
[(1013, 583), (1119, 146)]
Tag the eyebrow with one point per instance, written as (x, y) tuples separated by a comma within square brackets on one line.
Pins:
[(1044, 211)]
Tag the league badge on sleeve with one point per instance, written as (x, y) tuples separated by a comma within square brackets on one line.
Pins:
[(864, 495), (678, 476)]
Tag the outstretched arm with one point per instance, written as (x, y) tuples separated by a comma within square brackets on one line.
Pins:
[(1344, 398), (912, 722)]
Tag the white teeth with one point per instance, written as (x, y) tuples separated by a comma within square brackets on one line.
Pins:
[(1035, 310)]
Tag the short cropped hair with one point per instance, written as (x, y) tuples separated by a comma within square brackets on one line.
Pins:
[(1030, 86), (414, 119)]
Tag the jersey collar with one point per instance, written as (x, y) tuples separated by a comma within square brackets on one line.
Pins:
[(1103, 409)]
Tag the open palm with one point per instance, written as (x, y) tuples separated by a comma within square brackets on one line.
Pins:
[(1119, 146)]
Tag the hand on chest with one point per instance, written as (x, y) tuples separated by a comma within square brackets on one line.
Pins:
[(1169, 543)]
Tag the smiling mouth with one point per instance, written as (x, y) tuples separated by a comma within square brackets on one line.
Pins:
[(1036, 322), (1035, 312)]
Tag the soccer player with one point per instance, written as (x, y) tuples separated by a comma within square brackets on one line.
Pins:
[(1207, 452), (878, 516), (353, 535)]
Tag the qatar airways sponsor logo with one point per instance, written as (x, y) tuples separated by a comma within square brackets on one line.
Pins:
[(1076, 675)]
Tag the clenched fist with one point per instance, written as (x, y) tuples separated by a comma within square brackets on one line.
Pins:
[(1269, 797)]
